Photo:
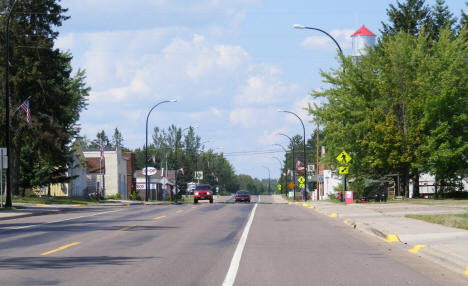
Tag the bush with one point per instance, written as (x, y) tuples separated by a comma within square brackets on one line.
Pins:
[(113, 197), (135, 196)]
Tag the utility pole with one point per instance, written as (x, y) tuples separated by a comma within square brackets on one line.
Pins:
[(317, 173)]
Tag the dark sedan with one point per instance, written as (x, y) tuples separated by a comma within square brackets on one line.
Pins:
[(242, 196)]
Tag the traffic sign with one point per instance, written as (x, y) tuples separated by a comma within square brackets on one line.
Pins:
[(301, 180), (301, 186), (279, 187), (343, 170), (343, 157), (291, 185), (199, 175)]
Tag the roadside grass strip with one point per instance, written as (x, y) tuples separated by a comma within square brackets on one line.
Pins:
[(60, 248), (416, 248), (333, 215), (160, 217), (451, 220), (392, 238)]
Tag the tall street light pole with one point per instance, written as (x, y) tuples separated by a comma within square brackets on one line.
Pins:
[(269, 179), (296, 26), (305, 156), (317, 135), (146, 146), (292, 161), (8, 202), (281, 165)]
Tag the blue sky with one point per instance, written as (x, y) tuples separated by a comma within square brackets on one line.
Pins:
[(230, 65)]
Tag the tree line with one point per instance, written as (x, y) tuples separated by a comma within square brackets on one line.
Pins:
[(401, 109)]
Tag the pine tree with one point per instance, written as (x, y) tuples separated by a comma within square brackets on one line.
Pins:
[(43, 74), (408, 17), (442, 18)]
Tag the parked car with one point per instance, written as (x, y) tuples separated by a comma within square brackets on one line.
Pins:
[(242, 196), (363, 200), (202, 192)]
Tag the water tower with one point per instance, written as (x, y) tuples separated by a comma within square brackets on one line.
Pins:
[(362, 39)]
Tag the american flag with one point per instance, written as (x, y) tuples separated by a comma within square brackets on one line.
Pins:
[(25, 107), (102, 153)]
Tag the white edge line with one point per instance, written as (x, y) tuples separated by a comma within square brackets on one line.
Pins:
[(234, 267)]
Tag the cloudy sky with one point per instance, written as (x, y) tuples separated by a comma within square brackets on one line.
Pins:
[(230, 64)]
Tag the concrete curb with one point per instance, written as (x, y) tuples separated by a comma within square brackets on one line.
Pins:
[(444, 259), (16, 216)]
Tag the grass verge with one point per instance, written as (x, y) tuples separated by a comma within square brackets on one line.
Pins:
[(12, 208), (452, 220), (52, 200)]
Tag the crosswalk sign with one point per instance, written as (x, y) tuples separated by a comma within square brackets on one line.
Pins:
[(343, 170)]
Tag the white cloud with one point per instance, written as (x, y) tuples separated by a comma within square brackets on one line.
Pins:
[(343, 37), (264, 86)]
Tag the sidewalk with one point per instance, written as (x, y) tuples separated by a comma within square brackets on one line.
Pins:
[(446, 246)]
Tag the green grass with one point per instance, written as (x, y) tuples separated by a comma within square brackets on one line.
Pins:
[(459, 202), (452, 220), (52, 200)]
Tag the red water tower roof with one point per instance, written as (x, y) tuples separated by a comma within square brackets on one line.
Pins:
[(363, 31)]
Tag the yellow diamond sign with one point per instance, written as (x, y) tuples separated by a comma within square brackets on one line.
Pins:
[(291, 185), (343, 157), (301, 180), (301, 186), (279, 187), (343, 170)]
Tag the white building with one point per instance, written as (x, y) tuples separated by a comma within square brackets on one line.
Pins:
[(111, 175)]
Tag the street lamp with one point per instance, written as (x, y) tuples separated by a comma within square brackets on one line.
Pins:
[(8, 202), (292, 161), (146, 146), (305, 156), (269, 179), (296, 26), (281, 165), (198, 157)]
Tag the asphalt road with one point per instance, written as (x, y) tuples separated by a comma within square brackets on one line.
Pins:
[(261, 243)]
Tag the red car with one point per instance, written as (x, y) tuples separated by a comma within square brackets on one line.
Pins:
[(202, 192), (242, 196)]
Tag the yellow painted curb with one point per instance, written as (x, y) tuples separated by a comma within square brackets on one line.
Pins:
[(179, 211), (305, 205), (289, 203), (311, 207), (334, 215), (160, 217), (78, 205), (392, 238), (466, 271), (41, 205), (416, 248), (296, 203), (346, 220)]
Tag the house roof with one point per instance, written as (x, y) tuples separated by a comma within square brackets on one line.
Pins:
[(363, 31), (93, 165)]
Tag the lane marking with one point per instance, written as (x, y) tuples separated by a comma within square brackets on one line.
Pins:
[(67, 219), (127, 227), (416, 248), (60, 248), (160, 217), (179, 211), (392, 238), (234, 267)]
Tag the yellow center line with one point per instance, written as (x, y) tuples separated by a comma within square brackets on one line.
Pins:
[(127, 227), (179, 211), (60, 248), (160, 217)]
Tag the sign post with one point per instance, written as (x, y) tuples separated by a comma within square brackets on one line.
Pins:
[(343, 158), (3, 164)]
